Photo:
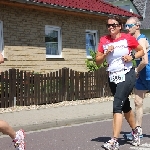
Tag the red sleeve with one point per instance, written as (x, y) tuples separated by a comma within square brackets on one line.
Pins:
[(100, 45), (132, 42)]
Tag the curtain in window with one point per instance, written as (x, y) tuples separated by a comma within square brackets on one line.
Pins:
[(51, 39), (90, 43)]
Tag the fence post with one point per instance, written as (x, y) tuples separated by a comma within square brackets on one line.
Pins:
[(14, 101), (104, 91), (12, 86)]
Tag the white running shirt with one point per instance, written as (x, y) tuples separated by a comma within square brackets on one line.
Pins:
[(122, 46)]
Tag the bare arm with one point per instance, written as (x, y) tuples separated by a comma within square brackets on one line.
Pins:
[(144, 62), (100, 57), (1, 57), (139, 53)]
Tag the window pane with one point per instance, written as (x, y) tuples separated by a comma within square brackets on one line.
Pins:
[(90, 43), (52, 48), (51, 40), (125, 7)]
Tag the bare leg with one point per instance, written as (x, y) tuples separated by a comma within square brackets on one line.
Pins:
[(130, 119), (139, 96), (117, 124), (6, 129)]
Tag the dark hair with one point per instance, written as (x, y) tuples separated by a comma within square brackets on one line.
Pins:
[(117, 18)]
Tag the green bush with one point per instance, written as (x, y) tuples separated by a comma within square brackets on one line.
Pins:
[(91, 63), (134, 63)]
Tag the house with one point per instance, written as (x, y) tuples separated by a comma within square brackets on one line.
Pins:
[(141, 7), (46, 35)]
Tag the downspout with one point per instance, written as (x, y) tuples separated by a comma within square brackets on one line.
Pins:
[(144, 9)]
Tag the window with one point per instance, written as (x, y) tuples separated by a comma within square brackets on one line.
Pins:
[(53, 42), (125, 7), (1, 38), (91, 42)]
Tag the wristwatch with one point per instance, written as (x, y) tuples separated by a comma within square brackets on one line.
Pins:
[(133, 56), (136, 72)]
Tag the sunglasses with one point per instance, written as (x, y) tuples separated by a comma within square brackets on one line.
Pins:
[(129, 25), (112, 25)]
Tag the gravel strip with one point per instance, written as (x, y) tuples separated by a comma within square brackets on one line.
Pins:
[(61, 104)]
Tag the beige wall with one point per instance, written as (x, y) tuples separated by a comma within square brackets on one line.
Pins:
[(24, 46)]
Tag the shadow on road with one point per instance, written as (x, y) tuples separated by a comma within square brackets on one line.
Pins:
[(101, 139), (121, 141), (144, 135)]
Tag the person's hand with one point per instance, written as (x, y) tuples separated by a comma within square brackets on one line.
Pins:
[(109, 50), (127, 58), (1, 58)]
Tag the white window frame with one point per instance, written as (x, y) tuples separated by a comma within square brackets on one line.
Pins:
[(56, 28), (96, 40), (1, 38)]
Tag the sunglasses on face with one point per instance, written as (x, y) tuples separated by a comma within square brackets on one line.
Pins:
[(129, 25), (112, 25)]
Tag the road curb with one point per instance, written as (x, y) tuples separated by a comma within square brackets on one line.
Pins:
[(69, 122), (63, 116)]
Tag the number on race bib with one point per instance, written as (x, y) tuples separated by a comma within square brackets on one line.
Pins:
[(116, 77)]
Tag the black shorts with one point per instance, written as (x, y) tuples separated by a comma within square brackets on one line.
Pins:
[(121, 92)]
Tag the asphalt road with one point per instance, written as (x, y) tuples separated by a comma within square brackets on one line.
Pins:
[(88, 136)]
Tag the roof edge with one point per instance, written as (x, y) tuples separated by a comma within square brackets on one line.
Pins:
[(76, 10)]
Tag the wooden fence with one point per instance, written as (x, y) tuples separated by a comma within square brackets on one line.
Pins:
[(26, 88)]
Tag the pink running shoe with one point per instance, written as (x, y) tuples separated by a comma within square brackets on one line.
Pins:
[(19, 140)]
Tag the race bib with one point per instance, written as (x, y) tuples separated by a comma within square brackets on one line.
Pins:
[(117, 77)]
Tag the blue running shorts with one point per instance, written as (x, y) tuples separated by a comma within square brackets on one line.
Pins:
[(142, 84)]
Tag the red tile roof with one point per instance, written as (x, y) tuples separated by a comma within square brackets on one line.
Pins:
[(97, 6)]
